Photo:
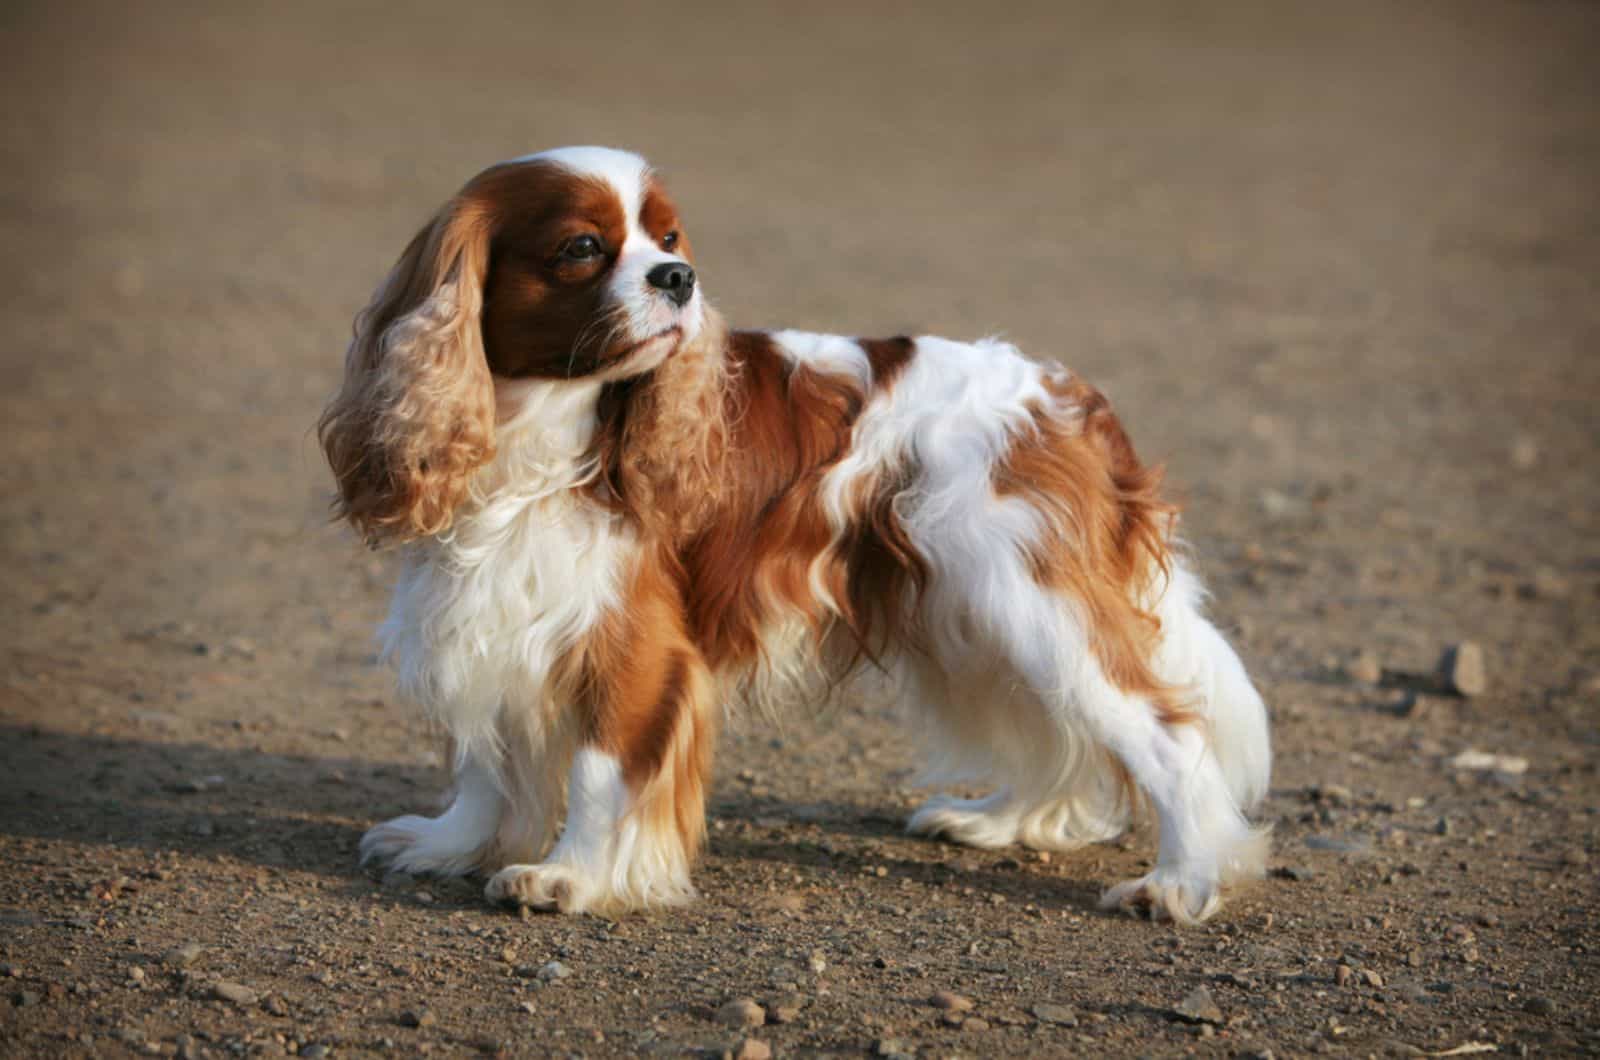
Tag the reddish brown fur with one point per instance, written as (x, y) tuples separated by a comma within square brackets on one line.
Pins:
[(748, 563), (887, 358), (718, 456), (1109, 531), (659, 217), (539, 308)]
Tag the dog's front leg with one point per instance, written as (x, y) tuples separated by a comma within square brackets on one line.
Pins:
[(636, 790)]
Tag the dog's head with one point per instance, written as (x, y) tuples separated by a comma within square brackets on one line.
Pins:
[(570, 264)]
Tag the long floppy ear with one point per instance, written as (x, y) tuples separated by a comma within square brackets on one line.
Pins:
[(414, 416)]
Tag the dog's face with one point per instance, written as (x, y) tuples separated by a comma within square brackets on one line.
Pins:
[(589, 270), (567, 265)]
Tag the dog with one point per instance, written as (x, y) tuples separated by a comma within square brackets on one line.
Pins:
[(619, 517)]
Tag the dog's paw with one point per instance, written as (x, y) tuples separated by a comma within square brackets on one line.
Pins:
[(390, 842), (551, 886), (419, 845), (1167, 895), (967, 821)]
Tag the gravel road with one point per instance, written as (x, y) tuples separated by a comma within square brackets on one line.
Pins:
[(1335, 263)]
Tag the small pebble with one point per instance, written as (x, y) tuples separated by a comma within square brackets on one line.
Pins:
[(945, 1001), (753, 1049), (1199, 1007), (235, 993), (1365, 668), (1550, 584), (1539, 1006), (1524, 452), (741, 1012), (553, 971), (1343, 974), (418, 1017), (182, 956), (1465, 670), (1355, 844), (1337, 794), (1483, 761), (1058, 1014)]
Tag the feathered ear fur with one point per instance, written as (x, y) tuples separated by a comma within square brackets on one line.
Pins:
[(414, 416), (663, 435)]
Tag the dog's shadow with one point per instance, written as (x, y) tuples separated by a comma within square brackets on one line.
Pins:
[(984, 873), (306, 814), (290, 812)]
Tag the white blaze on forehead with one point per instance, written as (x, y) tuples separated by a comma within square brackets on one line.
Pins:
[(626, 172)]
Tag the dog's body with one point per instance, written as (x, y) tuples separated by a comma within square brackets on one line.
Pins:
[(620, 517)]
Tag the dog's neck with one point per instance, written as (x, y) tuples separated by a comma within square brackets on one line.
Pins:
[(650, 447)]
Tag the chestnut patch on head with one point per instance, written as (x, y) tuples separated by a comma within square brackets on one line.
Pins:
[(545, 305), (659, 218)]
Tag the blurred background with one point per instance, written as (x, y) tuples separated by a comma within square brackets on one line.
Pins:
[(1334, 263)]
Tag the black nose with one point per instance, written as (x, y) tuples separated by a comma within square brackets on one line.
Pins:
[(674, 279)]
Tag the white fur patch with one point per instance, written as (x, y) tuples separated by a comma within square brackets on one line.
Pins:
[(833, 354), (623, 170), (483, 612)]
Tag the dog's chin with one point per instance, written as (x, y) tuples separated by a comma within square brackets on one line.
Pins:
[(645, 354)]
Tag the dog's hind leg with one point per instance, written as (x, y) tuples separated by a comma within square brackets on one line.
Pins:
[(1165, 746), (1052, 788)]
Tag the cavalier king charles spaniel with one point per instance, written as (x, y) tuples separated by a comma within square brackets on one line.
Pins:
[(620, 518)]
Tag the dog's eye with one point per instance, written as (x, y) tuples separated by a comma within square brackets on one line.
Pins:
[(582, 248), (669, 240)]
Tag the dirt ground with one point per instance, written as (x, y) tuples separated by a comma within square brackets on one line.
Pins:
[(1335, 263)]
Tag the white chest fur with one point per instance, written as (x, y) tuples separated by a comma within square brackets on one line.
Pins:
[(481, 613)]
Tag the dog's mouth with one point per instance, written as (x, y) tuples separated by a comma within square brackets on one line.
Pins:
[(662, 344), (645, 354)]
